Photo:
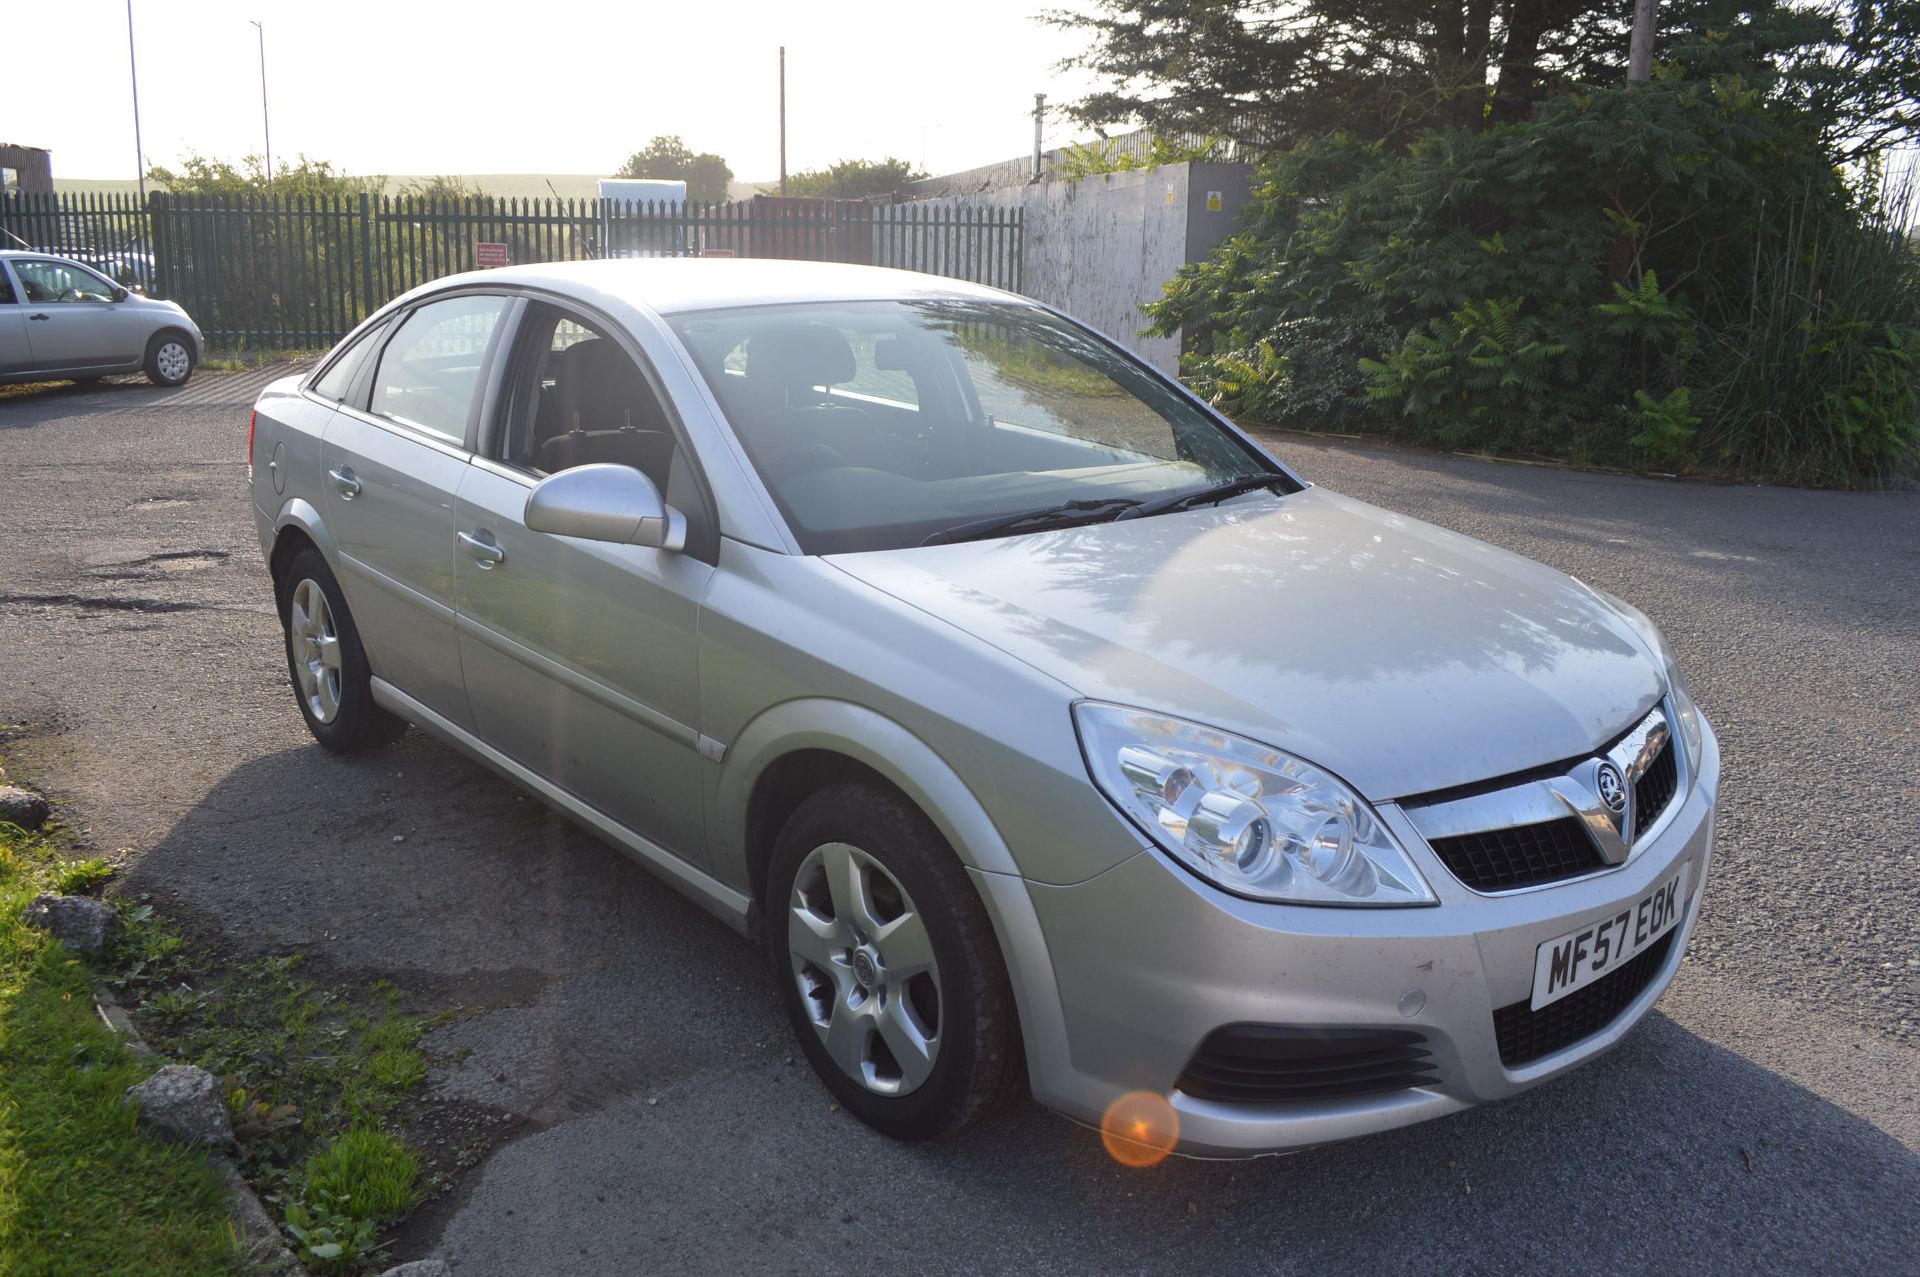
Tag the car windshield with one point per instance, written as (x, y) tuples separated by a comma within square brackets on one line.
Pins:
[(890, 423)]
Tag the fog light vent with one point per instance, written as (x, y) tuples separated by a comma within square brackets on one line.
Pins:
[(1277, 1064)]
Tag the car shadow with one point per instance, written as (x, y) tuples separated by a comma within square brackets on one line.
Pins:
[(666, 1114)]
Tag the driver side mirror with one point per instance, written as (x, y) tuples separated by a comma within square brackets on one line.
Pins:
[(121, 294), (603, 502)]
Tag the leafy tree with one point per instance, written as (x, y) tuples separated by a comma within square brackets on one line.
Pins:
[(670, 159), (851, 179), (205, 176), (1670, 274), (1279, 71), (1089, 159)]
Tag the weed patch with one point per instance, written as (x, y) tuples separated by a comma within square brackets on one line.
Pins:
[(318, 1080)]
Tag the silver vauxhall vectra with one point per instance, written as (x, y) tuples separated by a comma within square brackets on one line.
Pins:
[(1046, 731)]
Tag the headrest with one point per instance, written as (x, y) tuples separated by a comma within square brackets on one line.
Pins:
[(800, 355), (600, 384)]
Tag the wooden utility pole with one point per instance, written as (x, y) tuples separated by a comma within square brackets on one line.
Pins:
[(1640, 51), (1039, 132)]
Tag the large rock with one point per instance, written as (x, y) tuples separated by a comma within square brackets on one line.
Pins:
[(184, 1103), (23, 807), (420, 1268), (83, 924)]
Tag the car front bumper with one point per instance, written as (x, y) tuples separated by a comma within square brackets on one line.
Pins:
[(1142, 962)]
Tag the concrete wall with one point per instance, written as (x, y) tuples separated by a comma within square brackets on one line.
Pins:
[(1103, 246)]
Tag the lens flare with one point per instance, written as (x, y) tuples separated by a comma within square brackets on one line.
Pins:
[(1140, 1129)]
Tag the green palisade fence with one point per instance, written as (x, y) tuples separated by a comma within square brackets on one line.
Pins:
[(298, 272)]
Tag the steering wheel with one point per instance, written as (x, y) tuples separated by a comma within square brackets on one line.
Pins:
[(803, 458)]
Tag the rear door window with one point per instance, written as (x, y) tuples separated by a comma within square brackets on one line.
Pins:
[(429, 373)]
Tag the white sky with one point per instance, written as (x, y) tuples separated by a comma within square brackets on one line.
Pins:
[(412, 87)]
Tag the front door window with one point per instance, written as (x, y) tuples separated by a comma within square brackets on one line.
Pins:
[(46, 282)]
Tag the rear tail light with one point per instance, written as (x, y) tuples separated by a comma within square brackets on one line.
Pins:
[(252, 417)]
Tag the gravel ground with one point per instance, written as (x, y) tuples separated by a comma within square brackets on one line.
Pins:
[(1766, 1118)]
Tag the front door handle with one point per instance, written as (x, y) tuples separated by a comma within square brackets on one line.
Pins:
[(42, 315), (344, 482), (485, 551)]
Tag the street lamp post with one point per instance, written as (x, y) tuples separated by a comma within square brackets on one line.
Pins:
[(266, 121), (133, 71)]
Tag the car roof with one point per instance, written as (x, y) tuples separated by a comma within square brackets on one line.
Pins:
[(56, 254), (674, 284)]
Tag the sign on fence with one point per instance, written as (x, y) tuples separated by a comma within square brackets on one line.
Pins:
[(489, 255)]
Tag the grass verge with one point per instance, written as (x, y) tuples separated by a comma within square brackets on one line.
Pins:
[(83, 1190), (319, 1081)]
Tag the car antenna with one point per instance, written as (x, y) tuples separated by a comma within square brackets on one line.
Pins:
[(15, 238)]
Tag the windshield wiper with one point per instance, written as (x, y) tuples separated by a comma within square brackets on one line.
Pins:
[(1065, 515), (1208, 496)]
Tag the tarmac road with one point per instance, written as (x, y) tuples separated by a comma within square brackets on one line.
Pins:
[(1765, 1119)]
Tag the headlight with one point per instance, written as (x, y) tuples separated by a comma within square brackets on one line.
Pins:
[(1677, 691), (1245, 816), (1685, 710)]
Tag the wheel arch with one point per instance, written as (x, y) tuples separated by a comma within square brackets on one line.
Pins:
[(801, 746), (297, 527), (173, 330), (791, 750)]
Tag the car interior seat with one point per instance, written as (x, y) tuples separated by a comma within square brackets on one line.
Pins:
[(607, 413), (792, 369)]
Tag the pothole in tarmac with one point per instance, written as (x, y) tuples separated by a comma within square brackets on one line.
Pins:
[(170, 563), (186, 560)]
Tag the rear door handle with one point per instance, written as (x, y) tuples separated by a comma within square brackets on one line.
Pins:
[(481, 545), (344, 482)]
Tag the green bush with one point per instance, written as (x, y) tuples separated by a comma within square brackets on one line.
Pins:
[(1669, 275)]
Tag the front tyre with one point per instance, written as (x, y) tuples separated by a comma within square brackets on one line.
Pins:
[(331, 678), (169, 360), (888, 967)]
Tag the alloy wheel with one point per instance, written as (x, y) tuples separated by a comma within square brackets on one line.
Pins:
[(865, 968), (314, 643)]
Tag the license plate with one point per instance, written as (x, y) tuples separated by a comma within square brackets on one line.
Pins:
[(1572, 962)]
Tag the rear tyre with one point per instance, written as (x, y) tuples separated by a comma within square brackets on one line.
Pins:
[(888, 968), (169, 360), (331, 678)]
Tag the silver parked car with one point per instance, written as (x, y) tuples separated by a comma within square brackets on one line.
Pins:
[(1045, 730), (62, 319)]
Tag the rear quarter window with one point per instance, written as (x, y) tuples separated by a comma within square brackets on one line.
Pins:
[(336, 378)]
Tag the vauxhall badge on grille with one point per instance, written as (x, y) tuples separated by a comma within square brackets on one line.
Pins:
[(1612, 786)]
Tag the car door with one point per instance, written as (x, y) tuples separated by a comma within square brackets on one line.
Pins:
[(76, 318), (392, 460), (580, 656), (14, 354)]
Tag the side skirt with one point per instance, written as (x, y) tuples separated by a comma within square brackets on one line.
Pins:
[(710, 893)]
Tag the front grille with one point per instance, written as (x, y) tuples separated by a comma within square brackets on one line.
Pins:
[(1655, 788), (1526, 1035), (1521, 856), (1273, 1064)]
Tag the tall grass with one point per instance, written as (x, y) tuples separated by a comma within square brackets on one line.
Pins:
[(1811, 371)]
